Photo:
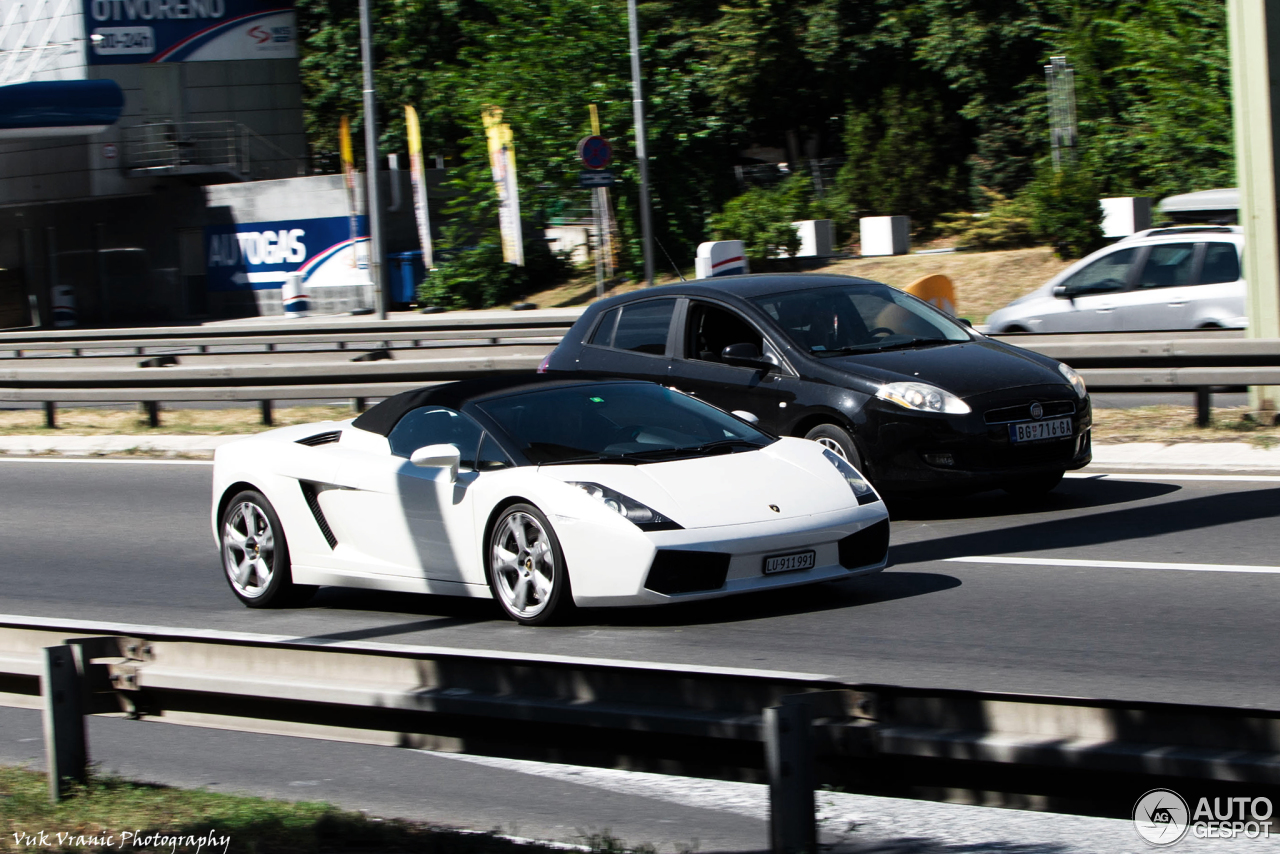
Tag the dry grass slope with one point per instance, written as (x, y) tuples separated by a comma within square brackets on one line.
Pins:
[(985, 281)]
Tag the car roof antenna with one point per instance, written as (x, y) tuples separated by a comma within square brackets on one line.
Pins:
[(668, 254)]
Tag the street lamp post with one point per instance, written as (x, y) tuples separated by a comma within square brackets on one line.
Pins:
[(642, 157), (371, 162)]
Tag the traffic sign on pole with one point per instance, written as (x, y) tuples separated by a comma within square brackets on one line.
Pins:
[(599, 178), (595, 151)]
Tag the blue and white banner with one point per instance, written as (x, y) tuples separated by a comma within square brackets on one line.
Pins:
[(259, 255), (126, 32)]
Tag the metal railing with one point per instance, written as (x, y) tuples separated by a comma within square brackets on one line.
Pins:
[(1142, 362), (223, 147), (795, 731)]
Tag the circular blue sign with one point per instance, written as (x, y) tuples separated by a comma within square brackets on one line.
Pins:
[(595, 151)]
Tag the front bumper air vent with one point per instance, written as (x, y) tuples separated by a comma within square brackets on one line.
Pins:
[(867, 547), (675, 571)]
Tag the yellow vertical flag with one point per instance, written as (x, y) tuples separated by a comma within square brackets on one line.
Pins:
[(349, 176), (418, 177), (502, 162)]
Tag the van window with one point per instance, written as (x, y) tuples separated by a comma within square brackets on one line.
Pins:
[(1221, 264), (1168, 266)]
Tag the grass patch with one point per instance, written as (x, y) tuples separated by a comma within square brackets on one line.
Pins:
[(1170, 424), (206, 422), (174, 821), (984, 281)]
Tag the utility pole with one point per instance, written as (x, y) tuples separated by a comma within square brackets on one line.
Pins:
[(1252, 26), (371, 163), (637, 103)]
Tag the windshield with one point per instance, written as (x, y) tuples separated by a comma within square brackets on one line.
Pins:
[(632, 422), (859, 318)]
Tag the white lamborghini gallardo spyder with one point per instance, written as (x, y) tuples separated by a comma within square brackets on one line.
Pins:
[(542, 494)]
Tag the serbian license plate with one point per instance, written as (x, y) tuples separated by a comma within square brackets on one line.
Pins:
[(788, 563), (1034, 431)]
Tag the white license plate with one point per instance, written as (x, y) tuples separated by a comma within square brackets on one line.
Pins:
[(1033, 431), (788, 563)]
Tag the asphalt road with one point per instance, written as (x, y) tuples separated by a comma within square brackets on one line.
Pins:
[(559, 802), (130, 542)]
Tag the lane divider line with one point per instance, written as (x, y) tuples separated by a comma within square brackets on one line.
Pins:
[(1155, 475), (1116, 564)]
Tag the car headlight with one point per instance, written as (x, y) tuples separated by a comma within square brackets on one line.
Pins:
[(1077, 381), (861, 489), (643, 517), (923, 398)]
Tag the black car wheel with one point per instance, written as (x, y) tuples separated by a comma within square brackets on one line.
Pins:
[(1034, 486), (836, 440)]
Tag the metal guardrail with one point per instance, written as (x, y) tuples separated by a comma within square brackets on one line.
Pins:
[(1128, 362), (1052, 753), (506, 322), (1155, 362)]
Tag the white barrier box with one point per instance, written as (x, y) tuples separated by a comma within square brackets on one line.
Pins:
[(294, 296), (721, 258), (885, 235), (817, 238), (1124, 216)]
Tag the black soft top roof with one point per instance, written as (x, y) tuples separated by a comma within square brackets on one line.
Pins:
[(383, 417)]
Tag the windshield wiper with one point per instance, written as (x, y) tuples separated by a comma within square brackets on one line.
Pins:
[(727, 444), (625, 459)]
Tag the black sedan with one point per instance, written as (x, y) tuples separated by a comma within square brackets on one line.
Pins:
[(909, 395)]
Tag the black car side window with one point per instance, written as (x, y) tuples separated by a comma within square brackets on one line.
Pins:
[(643, 326), (711, 329), (603, 334), (435, 425)]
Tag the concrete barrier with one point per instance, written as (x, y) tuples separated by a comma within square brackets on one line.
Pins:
[(721, 258), (885, 235)]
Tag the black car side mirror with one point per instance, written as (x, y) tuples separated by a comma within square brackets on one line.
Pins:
[(745, 355), (1061, 292)]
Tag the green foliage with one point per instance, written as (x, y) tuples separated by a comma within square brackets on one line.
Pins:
[(761, 218), (930, 102), (477, 277), (1006, 225), (1065, 212), (895, 164)]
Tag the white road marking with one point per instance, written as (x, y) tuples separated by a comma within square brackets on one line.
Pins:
[(102, 460), (1222, 478), (1117, 564)]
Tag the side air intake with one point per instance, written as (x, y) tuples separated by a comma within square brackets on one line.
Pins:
[(327, 438), (309, 492)]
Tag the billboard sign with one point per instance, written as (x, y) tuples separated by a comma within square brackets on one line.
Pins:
[(127, 32), (260, 255)]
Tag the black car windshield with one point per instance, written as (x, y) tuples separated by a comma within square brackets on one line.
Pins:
[(858, 318), (623, 422)]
